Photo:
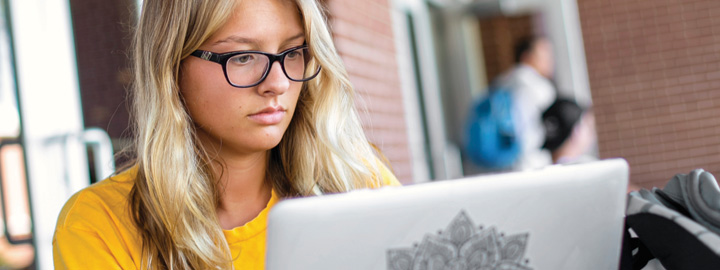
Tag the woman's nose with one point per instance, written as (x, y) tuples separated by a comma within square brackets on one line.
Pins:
[(276, 83)]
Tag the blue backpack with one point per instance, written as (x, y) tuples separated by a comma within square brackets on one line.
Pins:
[(490, 137)]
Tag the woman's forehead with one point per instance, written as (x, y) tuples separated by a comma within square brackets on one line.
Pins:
[(259, 22)]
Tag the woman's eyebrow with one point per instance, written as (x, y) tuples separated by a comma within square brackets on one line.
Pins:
[(237, 39), (245, 40)]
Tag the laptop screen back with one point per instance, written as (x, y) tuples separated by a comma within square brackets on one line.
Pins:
[(561, 217)]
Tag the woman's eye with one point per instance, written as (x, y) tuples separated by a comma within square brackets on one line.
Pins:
[(294, 54), (242, 59)]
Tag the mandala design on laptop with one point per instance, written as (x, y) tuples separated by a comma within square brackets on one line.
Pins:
[(463, 246)]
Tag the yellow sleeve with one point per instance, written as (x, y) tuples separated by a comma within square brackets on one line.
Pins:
[(80, 249), (94, 232), (387, 178)]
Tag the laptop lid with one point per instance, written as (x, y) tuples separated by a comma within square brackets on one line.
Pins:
[(560, 217)]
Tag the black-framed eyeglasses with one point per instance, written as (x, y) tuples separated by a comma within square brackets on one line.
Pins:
[(249, 68)]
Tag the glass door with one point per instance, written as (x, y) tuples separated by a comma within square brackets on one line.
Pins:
[(49, 134), (16, 242)]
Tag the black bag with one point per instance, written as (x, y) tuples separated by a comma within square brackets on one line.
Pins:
[(671, 226)]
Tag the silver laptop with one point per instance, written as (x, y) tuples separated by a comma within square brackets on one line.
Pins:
[(560, 217)]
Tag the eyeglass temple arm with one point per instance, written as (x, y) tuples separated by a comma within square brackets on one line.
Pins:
[(205, 55)]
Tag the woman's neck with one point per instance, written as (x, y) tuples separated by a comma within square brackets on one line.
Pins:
[(244, 190)]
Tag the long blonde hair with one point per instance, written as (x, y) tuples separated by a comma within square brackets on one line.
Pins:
[(324, 150)]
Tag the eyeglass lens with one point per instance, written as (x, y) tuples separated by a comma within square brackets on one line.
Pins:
[(248, 68)]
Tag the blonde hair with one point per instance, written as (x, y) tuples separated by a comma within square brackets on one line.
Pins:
[(324, 150)]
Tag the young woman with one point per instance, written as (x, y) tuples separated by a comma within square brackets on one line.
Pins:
[(237, 104)]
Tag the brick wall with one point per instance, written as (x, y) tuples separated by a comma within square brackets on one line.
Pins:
[(363, 34), (101, 31), (654, 71)]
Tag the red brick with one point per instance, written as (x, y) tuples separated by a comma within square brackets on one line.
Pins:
[(363, 34), (659, 94)]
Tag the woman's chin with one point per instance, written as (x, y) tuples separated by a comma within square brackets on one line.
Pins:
[(266, 142)]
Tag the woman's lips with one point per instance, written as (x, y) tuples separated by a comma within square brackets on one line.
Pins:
[(268, 117)]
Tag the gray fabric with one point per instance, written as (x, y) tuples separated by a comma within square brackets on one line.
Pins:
[(673, 188), (669, 202), (697, 192), (637, 204), (709, 191), (649, 196)]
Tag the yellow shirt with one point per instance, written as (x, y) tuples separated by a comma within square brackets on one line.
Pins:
[(95, 229)]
